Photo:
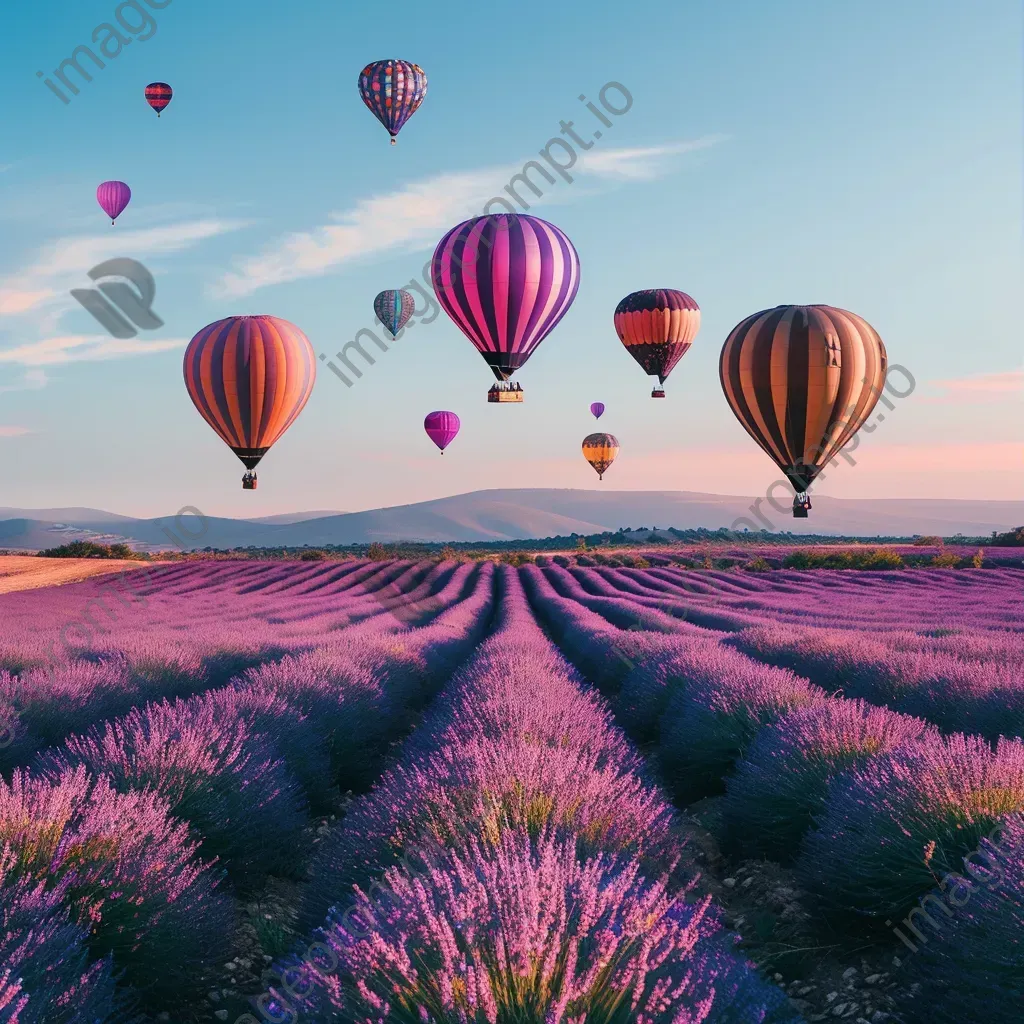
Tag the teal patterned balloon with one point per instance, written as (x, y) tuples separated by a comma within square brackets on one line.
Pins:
[(394, 308)]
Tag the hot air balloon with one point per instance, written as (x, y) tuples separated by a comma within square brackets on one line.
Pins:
[(600, 451), (506, 280), (394, 307), (393, 90), (802, 380), (657, 326), (249, 377), (597, 408), (441, 428), (158, 95), (113, 197)]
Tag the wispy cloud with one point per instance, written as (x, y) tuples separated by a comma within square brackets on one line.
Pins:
[(641, 163), (63, 264), (414, 216), (984, 387), (72, 348), (14, 431), (31, 380)]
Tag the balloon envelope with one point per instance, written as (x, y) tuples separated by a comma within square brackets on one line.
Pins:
[(113, 197), (657, 326), (249, 377), (802, 380), (393, 91), (506, 280), (441, 427), (597, 408), (394, 307), (600, 451), (158, 95)]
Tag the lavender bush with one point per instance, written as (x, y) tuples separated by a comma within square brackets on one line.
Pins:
[(781, 783), (892, 827)]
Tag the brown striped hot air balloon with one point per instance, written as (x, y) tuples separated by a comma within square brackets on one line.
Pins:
[(657, 326), (249, 377), (802, 380), (600, 451)]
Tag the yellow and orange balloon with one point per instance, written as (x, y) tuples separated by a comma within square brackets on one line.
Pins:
[(600, 451)]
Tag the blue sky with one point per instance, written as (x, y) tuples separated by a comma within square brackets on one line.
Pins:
[(865, 155)]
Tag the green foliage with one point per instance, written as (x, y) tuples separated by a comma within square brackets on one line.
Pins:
[(378, 552), (947, 560), (89, 549), (581, 544), (313, 555), (928, 542), (757, 564), (517, 558), (979, 558), (869, 558), (1012, 539)]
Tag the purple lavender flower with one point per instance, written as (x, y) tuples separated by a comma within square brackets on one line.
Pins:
[(891, 827), (132, 879), (781, 782)]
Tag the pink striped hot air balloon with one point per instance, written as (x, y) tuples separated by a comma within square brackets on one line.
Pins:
[(113, 197), (441, 428), (506, 280)]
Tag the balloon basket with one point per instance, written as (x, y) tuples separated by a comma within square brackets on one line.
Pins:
[(801, 506), (504, 396), (394, 141), (658, 393)]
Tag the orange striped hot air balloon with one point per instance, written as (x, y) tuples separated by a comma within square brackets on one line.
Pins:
[(600, 451), (249, 377), (657, 326), (802, 380)]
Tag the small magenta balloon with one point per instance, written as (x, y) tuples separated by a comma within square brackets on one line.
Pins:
[(597, 409), (441, 428), (113, 197)]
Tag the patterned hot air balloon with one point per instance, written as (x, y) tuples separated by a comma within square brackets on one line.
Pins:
[(394, 307), (506, 280), (802, 380), (158, 95), (441, 428), (597, 409), (657, 326), (113, 197), (600, 451), (393, 90), (249, 377)]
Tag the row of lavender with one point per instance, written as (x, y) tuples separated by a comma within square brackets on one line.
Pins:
[(873, 807), (514, 864), (106, 840), (180, 632), (965, 678)]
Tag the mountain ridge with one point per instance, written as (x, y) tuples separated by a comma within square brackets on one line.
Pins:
[(514, 514)]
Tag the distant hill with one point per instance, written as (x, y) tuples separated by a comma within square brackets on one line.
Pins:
[(286, 518), (517, 515)]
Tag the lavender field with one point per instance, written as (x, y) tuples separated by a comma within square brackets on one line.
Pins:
[(559, 793)]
